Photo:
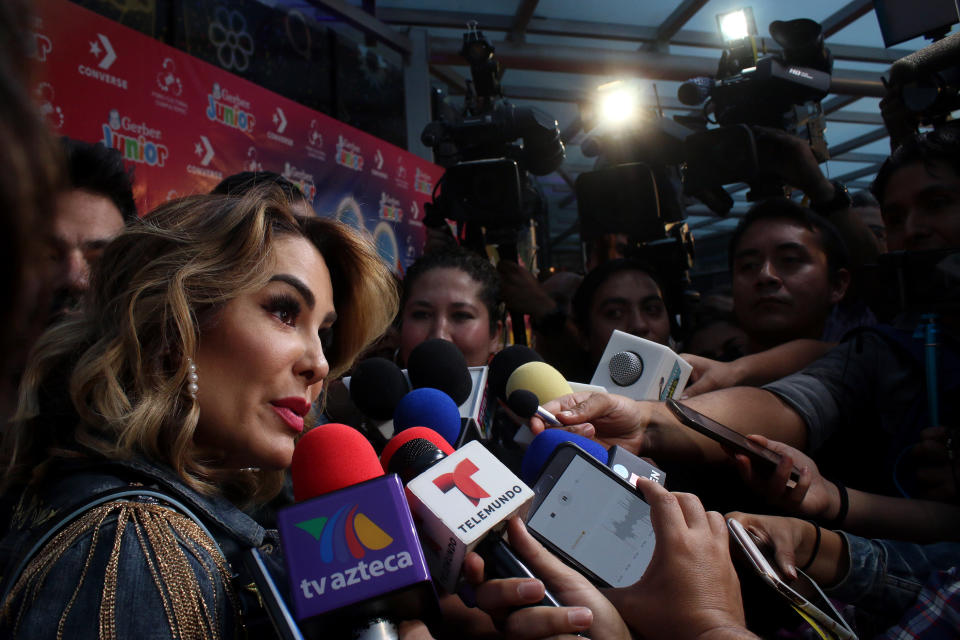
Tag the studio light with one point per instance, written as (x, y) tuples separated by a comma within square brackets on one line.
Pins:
[(737, 25), (618, 103)]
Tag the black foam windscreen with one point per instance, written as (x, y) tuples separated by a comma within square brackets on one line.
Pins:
[(524, 403), (376, 387), (504, 363), (930, 59), (439, 364)]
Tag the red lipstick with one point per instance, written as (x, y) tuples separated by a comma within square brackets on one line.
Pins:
[(292, 410)]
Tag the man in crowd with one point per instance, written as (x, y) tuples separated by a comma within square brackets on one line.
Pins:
[(870, 391), (89, 213), (789, 269)]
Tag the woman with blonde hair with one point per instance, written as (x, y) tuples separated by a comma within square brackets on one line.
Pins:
[(210, 328)]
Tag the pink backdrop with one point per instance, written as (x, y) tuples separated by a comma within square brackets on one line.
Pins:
[(184, 125)]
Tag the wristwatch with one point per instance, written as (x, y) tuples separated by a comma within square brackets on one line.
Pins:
[(840, 200)]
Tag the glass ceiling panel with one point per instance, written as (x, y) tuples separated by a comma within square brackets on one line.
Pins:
[(645, 12), (763, 12)]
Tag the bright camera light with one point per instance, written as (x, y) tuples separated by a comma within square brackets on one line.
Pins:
[(736, 25), (619, 103)]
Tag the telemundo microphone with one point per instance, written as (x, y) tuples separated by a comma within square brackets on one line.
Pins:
[(351, 548), (623, 463), (461, 500)]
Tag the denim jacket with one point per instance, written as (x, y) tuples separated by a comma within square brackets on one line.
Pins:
[(886, 576), (131, 568)]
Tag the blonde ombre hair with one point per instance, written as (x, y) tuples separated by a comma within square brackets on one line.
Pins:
[(112, 379)]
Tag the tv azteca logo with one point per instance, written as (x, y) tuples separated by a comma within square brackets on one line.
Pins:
[(462, 479), (349, 533), (346, 532)]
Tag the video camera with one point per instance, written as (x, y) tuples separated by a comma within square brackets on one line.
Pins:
[(782, 91), (486, 180)]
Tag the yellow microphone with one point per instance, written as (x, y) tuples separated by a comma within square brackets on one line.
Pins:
[(539, 377)]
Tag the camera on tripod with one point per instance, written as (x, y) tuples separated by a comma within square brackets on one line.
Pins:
[(487, 171)]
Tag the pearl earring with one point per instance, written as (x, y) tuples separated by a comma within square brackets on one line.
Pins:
[(192, 385)]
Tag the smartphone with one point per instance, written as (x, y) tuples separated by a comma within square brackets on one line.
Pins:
[(700, 423), (591, 518), (803, 594)]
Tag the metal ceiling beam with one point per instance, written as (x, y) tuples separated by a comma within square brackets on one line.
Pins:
[(845, 15), (521, 19), (674, 22), (648, 64), (859, 173), (854, 143), (853, 156), (856, 117), (837, 102), (608, 31), (360, 19)]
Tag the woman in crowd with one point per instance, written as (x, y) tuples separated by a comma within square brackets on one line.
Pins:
[(210, 329), (452, 294)]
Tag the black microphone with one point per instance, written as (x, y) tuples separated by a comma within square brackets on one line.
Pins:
[(439, 364), (376, 387), (503, 364)]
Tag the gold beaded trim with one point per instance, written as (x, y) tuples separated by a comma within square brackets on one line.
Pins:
[(166, 538)]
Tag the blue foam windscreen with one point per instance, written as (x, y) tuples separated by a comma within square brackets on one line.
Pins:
[(427, 407), (543, 445)]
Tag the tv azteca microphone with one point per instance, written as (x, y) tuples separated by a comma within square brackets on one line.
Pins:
[(350, 545), (462, 500)]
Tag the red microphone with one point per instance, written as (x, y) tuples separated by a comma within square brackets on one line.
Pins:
[(330, 457), (354, 560)]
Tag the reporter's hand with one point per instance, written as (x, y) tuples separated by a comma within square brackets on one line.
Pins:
[(935, 469), (691, 588), (709, 375), (501, 598), (813, 496), (791, 159), (791, 540), (609, 417), (414, 630), (569, 586)]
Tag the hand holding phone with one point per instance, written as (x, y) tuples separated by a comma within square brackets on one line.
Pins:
[(762, 456), (802, 593), (591, 518)]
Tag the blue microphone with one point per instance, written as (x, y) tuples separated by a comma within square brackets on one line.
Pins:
[(427, 407), (543, 445)]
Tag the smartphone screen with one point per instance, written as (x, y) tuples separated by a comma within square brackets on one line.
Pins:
[(592, 518)]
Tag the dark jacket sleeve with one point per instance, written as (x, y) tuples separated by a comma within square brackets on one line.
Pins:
[(125, 570)]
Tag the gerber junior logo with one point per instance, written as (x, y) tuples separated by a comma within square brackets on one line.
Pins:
[(462, 479), (346, 534), (136, 141)]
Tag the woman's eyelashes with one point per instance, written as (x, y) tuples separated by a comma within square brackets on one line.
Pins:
[(284, 307)]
